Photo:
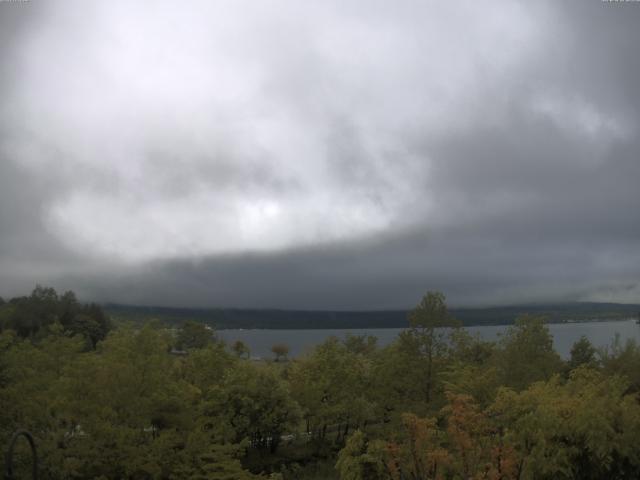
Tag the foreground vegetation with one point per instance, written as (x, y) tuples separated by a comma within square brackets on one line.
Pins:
[(158, 403)]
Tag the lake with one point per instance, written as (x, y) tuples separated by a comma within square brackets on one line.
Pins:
[(301, 341)]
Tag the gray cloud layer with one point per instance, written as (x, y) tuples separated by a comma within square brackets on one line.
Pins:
[(334, 156)]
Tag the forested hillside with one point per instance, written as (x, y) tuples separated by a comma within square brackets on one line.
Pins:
[(153, 402)]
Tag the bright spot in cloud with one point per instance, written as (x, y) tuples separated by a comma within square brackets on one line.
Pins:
[(244, 126)]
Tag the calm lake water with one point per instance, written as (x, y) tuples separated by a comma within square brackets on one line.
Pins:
[(301, 341)]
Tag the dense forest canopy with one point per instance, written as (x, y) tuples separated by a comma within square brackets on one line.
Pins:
[(157, 402), (31, 316)]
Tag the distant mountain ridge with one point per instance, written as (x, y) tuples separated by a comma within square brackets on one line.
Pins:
[(229, 318)]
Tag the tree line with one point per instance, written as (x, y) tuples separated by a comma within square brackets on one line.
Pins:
[(31, 316), (154, 402)]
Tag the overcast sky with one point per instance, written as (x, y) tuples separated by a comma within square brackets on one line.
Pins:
[(333, 155)]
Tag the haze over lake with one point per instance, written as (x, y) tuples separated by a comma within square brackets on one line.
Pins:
[(260, 341)]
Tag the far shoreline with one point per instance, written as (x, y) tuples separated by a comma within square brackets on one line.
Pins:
[(347, 329)]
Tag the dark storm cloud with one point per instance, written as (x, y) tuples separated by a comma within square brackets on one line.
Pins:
[(490, 152)]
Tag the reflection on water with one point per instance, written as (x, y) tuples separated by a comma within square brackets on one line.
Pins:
[(301, 341)]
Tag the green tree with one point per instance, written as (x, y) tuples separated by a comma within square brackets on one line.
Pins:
[(334, 388), (27, 374), (100, 325), (361, 344), (89, 328), (280, 350), (471, 367), (221, 462), (582, 353), (205, 367), (526, 353), (398, 378), (31, 316), (33, 312), (470, 349), (6, 316), (116, 403), (194, 335), (256, 403), (68, 308), (362, 459), (429, 322), (622, 359), (585, 428), (241, 349)]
